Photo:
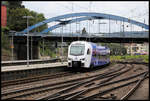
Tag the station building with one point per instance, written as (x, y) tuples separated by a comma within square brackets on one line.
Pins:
[(137, 49)]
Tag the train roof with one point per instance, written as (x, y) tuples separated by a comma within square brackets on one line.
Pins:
[(94, 45)]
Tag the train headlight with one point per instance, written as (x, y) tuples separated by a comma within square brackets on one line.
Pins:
[(82, 59), (69, 59)]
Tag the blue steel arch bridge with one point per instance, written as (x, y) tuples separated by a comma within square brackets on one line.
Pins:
[(120, 37)]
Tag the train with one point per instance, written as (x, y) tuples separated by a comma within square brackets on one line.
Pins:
[(87, 55)]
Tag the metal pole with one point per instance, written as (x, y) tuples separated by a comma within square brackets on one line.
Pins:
[(120, 27), (79, 30), (31, 48), (89, 30), (99, 26), (56, 49), (12, 47), (62, 44), (27, 38), (72, 18), (131, 42), (76, 25), (70, 28), (43, 46), (27, 44), (109, 24), (131, 27), (89, 20), (120, 33), (123, 27), (56, 42)]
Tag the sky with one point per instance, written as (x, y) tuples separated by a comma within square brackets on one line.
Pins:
[(136, 10)]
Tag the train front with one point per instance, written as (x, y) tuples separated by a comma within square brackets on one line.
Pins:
[(76, 54)]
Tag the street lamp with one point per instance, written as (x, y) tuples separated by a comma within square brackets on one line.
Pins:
[(27, 17), (12, 44)]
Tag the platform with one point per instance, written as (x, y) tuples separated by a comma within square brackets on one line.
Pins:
[(23, 62), (32, 66)]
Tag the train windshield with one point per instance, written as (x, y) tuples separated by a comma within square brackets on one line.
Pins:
[(77, 50)]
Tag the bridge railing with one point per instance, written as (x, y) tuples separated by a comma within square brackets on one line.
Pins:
[(136, 34)]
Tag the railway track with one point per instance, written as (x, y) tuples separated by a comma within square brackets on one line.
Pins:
[(37, 78), (33, 79), (102, 92), (6, 91), (125, 97), (79, 88), (79, 94)]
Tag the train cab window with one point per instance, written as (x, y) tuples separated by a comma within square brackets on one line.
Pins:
[(88, 51)]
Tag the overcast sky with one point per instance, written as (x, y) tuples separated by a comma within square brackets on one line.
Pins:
[(135, 10)]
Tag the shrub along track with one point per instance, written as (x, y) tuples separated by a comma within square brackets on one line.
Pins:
[(89, 86)]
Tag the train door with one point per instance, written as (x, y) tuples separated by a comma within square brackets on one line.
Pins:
[(88, 57)]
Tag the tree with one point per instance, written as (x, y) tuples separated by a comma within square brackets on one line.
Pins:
[(4, 38), (18, 23), (15, 20), (15, 4), (5, 3)]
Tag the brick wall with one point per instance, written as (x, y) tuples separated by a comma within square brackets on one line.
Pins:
[(3, 15)]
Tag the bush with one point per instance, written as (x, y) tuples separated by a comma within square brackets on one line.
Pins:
[(5, 42), (125, 57)]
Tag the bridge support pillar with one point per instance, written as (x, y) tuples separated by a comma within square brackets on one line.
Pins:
[(20, 48)]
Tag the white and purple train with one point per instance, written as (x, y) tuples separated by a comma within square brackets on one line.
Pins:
[(87, 55)]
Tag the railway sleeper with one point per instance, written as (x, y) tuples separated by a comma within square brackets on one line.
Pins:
[(111, 77), (105, 84), (65, 96), (92, 76), (80, 84), (28, 94), (92, 79), (26, 80), (134, 88), (110, 89), (110, 97)]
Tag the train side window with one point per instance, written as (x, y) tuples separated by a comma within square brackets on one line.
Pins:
[(88, 51)]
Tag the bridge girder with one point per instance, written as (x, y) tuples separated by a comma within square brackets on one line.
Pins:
[(22, 39), (86, 14), (69, 22)]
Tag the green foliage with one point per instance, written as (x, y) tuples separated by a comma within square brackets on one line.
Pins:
[(5, 30), (5, 3), (115, 48), (49, 49), (5, 43), (18, 23), (15, 4), (126, 57), (15, 13)]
